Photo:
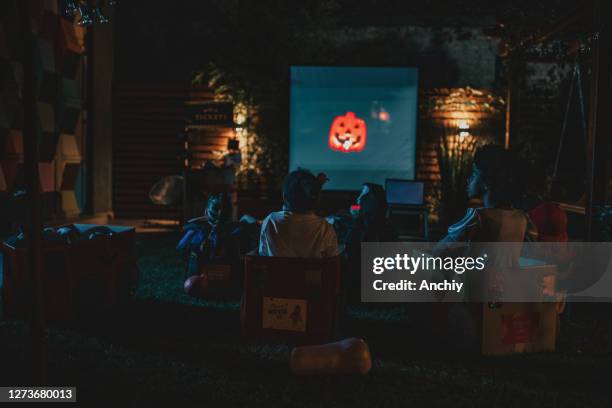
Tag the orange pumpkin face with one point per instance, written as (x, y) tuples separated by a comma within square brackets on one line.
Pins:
[(347, 133)]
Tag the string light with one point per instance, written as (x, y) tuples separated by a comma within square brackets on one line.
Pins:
[(90, 11), (100, 16)]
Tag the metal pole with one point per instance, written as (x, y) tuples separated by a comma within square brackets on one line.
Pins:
[(33, 222), (597, 144)]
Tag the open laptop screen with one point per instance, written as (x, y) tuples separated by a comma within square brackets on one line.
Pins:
[(404, 192)]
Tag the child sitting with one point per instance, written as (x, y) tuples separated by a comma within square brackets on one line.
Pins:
[(213, 239), (297, 231)]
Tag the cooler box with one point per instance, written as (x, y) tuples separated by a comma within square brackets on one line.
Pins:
[(80, 278), (290, 300)]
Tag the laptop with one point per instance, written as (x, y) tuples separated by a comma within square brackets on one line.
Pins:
[(404, 192)]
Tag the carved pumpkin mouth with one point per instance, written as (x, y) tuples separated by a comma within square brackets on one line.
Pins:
[(347, 133)]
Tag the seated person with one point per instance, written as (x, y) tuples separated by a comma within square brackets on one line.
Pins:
[(213, 238), (369, 225), (372, 224), (493, 179), (367, 221), (297, 231)]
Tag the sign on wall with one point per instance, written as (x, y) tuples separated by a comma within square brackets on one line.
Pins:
[(210, 114)]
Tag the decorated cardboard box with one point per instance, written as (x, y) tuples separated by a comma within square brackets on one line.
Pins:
[(290, 300)]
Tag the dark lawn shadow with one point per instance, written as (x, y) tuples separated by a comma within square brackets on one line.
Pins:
[(163, 327)]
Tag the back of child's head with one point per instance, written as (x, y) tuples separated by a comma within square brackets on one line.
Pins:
[(499, 173), (301, 190), (218, 208)]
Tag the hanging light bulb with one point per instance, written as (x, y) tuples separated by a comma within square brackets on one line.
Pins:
[(90, 11), (98, 15), (70, 7), (86, 19)]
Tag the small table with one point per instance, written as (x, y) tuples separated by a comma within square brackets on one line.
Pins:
[(412, 210)]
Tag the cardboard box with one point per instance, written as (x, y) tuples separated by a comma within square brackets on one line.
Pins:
[(510, 328), (79, 278), (290, 300), (504, 328)]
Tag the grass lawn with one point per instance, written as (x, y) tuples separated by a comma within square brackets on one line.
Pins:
[(169, 349)]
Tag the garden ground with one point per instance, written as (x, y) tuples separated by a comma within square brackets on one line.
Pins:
[(168, 349)]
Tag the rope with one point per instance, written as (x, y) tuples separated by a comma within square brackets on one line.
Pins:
[(581, 99), (564, 126)]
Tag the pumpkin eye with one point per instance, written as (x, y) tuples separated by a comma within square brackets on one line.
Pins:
[(356, 126), (341, 124)]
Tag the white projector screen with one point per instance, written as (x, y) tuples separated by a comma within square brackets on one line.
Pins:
[(355, 124)]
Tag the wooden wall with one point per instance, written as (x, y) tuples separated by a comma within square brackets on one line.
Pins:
[(147, 145), (441, 109)]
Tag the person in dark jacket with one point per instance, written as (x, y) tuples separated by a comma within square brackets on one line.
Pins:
[(369, 225), (214, 239)]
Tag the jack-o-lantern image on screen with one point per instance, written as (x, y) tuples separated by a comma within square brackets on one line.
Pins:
[(348, 133)]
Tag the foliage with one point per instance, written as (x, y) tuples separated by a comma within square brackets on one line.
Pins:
[(479, 111), (455, 161), (253, 73), (229, 87)]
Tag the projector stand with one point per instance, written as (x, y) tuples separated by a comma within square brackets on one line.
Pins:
[(402, 211)]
